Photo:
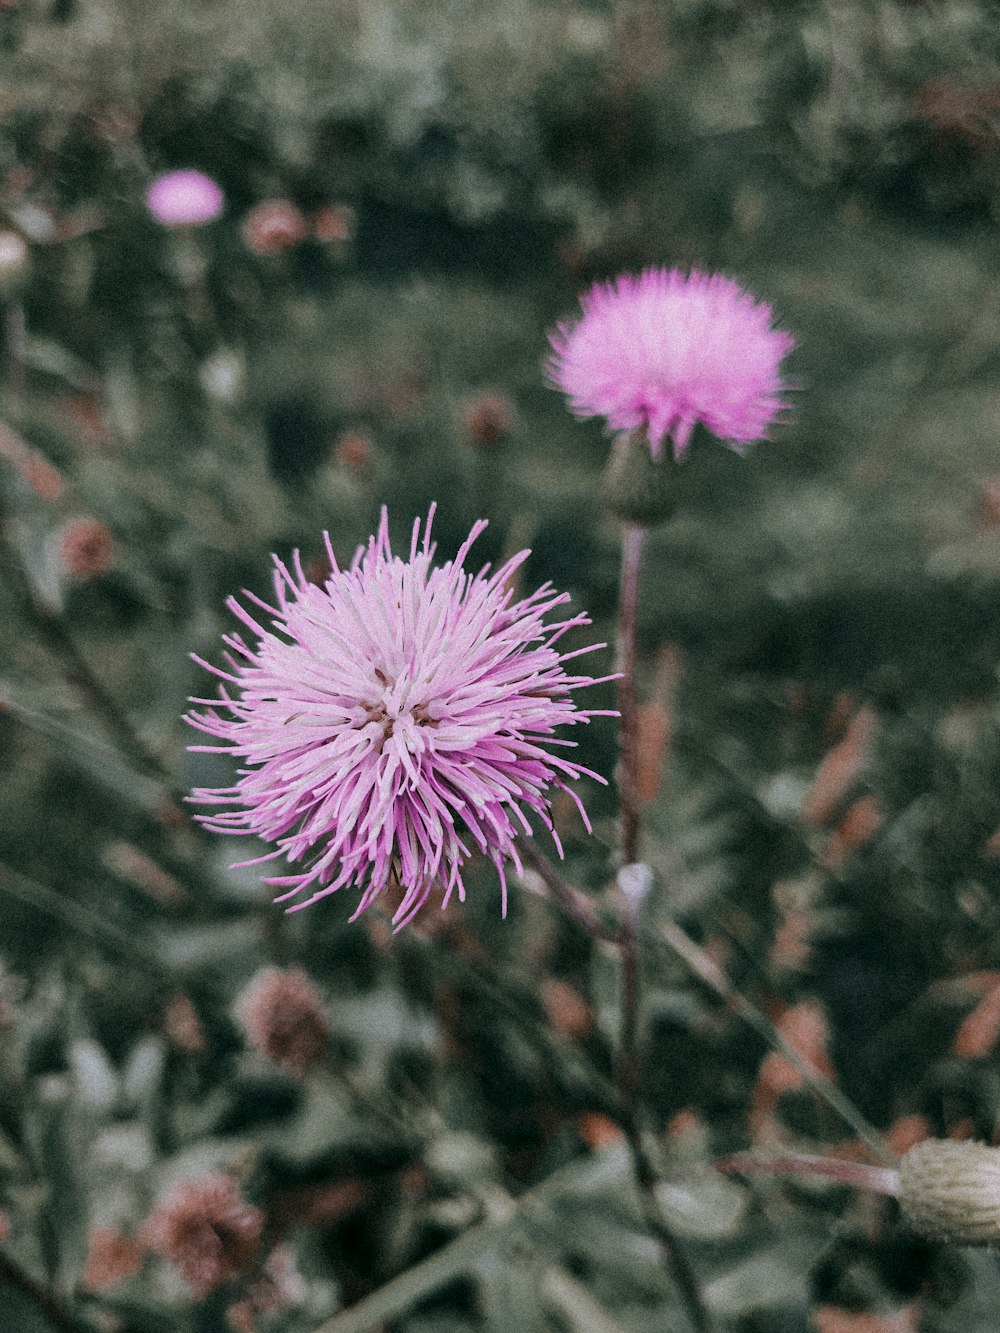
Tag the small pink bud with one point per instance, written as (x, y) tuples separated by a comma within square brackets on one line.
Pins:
[(355, 449), (86, 548), (334, 222), (272, 226)]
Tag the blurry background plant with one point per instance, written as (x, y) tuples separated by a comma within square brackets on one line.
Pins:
[(413, 195)]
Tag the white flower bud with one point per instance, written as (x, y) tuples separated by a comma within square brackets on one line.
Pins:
[(951, 1191)]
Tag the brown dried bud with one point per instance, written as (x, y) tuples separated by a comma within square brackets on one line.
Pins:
[(272, 226), (207, 1230), (86, 548), (950, 1191), (282, 1015), (488, 418), (181, 1025)]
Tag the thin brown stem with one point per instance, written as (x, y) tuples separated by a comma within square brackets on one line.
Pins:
[(574, 903), (628, 612), (628, 1053), (633, 537), (674, 1255)]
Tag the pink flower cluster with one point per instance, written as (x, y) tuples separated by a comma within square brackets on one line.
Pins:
[(393, 720), (666, 350)]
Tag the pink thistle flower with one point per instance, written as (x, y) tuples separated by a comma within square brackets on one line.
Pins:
[(184, 199), (207, 1230), (282, 1016), (393, 720), (666, 350)]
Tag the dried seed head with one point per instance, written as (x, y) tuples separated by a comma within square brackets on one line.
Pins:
[(950, 1191)]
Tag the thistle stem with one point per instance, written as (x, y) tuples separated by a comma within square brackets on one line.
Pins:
[(628, 611), (878, 1179)]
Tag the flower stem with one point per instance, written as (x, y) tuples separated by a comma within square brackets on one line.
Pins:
[(628, 610), (574, 903), (628, 1053), (578, 906), (878, 1179)]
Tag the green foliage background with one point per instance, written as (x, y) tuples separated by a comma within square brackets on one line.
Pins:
[(840, 159)]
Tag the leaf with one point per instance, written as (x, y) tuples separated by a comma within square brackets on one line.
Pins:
[(777, 1277), (706, 1206)]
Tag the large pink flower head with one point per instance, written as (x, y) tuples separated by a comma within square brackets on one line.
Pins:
[(668, 349), (185, 199), (394, 720)]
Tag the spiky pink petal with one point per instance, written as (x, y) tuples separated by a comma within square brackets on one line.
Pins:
[(668, 349), (393, 721)]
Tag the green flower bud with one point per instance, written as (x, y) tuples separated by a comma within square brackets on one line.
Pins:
[(951, 1191), (639, 488)]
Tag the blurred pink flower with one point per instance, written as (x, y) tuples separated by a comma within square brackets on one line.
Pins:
[(666, 350), (394, 720), (184, 199), (282, 1016), (86, 548), (111, 1257), (272, 226), (205, 1227)]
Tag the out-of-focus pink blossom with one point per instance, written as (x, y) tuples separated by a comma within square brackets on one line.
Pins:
[(207, 1230), (282, 1015), (273, 225), (334, 222), (393, 721), (86, 548), (668, 349), (111, 1257), (185, 199)]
